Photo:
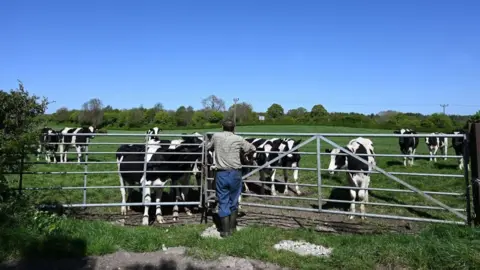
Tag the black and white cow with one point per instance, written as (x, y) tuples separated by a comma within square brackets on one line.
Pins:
[(434, 142), (267, 150), (408, 145), (359, 180), (290, 160), (458, 146), (48, 144), (153, 131), (69, 139), (164, 164)]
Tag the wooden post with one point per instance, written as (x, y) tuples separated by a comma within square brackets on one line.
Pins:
[(474, 139)]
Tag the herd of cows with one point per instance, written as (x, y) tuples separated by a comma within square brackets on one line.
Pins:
[(173, 162)]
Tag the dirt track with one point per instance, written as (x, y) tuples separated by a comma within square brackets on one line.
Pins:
[(286, 219)]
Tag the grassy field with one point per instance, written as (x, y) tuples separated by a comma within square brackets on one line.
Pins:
[(382, 146), (438, 247)]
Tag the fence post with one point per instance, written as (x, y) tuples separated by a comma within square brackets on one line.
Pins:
[(20, 180), (319, 174), (85, 175), (474, 139)]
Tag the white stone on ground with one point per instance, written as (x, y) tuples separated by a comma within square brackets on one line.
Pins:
[(303, 248), (212, 231)]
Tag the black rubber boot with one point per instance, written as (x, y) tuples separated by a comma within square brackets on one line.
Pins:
[(233, 221), (225, 231)]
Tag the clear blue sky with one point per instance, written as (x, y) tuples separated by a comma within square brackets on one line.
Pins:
[(363, 56)]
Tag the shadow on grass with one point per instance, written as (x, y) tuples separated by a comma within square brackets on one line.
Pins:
[(442, 166), (344, 195), (409, 209), (397, 162), (51, 252)]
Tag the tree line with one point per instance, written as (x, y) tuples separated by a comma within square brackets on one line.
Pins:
[(93, 112)]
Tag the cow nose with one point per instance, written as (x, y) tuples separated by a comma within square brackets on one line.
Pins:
[(331, 172)]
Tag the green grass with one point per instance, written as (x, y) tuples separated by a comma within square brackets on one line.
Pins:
[(382, 146), (438, 247)]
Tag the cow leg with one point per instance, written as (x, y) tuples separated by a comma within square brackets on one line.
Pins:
[(262, 184), (285, 180), (442, 152), (159, 186), (460, 164), (123, 208), (272, 178), (79, 153), (63, 153), (411, 159), (295, 177), (147, 198), (353, 194), (158, 208), (176, 193), (363, 193), (187, 209)]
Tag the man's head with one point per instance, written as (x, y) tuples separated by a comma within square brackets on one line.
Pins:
[(228, 125)]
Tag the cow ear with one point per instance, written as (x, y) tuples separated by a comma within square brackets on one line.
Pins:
[(328, 150), (297, 142), (396, 132)]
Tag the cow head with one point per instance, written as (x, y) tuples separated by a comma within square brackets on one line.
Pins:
[(92, 129), (292, 157), (337, 161), (154, 131)]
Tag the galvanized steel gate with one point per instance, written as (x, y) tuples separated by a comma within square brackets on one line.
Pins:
[(462, 215)]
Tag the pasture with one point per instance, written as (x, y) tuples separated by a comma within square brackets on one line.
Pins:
[(417, 206)]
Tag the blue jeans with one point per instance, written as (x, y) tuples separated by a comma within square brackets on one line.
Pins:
[(228, 188)]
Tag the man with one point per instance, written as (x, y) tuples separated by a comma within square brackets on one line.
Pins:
[(228, 177)]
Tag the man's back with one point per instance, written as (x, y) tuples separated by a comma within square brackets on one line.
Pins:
[(227, 147)]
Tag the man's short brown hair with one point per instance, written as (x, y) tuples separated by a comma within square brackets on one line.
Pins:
[(228, 125)]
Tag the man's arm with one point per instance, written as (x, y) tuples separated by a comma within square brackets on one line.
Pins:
[(248, 147)]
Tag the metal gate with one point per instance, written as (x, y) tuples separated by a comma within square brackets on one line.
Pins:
[(422, 201)]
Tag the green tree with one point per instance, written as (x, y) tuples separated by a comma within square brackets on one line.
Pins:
[(74, 114), (215, 117), (298, 113), (318, 113), (244, 113), (135, 118), (62, 115), (19, 131), (199, 119), (164, 120), (441, 121), (275, 111), (181, 116), (92, 112)]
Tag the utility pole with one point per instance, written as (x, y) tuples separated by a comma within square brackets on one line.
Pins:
[(443, 106), (235, 100)]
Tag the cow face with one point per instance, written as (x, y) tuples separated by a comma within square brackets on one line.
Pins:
[(93, 130), (336, 161)]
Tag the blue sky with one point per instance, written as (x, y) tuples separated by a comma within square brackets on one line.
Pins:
[(349, 55)]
